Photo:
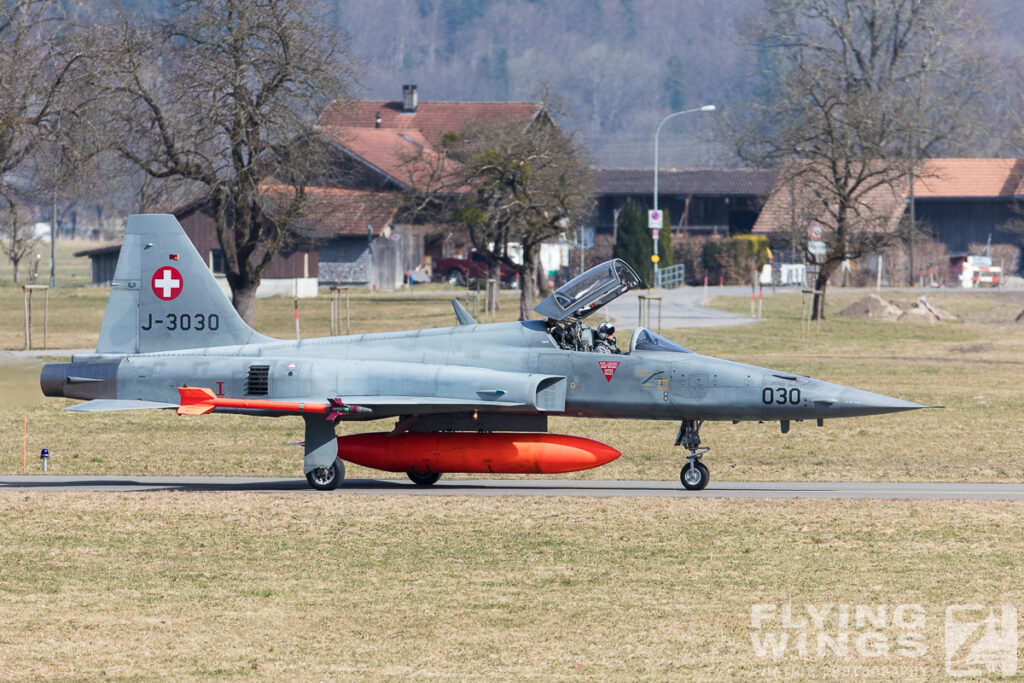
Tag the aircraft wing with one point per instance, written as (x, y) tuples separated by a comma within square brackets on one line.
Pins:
[(201, 400), (102, 405), (415, 405)]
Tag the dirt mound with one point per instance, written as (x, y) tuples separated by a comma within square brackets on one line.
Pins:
[(873, 307), (918, 311)]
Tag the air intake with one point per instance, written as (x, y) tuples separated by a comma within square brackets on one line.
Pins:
[(258, 381)]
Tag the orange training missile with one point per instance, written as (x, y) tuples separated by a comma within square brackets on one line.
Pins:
[(504, 453), (200, 401)]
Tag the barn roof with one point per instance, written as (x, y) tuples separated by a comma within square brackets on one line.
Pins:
[(685, 181)]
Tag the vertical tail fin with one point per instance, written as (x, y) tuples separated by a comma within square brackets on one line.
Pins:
[(163, 296)]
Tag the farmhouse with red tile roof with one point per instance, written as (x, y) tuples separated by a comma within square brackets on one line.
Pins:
[(351, 233), (960, 201)]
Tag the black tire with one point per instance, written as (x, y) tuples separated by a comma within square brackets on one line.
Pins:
[(695, 480), (455, 277), (424, 478), (327, 478)]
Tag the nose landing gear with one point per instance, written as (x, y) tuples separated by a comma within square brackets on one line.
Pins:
[(694, 475)]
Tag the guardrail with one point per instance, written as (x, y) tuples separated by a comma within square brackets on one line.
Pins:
[(671, 277)]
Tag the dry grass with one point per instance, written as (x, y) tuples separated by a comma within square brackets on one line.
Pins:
[(315, 586)]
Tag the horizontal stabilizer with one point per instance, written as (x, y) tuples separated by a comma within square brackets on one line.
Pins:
[(461, 314), (101, 405)]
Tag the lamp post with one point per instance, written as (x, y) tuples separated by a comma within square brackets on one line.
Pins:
[(657, 132)]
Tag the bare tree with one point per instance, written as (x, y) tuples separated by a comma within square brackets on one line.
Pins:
[(506, 186), (222, 100), (36, 65), (861, 91), (530, 185), (17, 234)]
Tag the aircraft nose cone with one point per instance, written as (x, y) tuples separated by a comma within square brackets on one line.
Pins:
[(855, 402)]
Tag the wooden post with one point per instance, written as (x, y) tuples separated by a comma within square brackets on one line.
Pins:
[(28, 322)]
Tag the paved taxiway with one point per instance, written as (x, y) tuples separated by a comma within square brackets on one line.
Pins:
[(529, 487)]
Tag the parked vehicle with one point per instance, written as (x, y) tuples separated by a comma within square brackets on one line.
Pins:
[(459, 271), (978, 271)]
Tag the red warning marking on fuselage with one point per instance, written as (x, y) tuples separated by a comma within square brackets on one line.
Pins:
[(608, 367)]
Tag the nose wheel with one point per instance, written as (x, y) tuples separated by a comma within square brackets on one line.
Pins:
[(694, 475)]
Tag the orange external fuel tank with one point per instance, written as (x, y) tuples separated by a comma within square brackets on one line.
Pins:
[(499, 453)]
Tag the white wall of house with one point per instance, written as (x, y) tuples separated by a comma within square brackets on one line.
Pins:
[(305, 287), (553, 255)]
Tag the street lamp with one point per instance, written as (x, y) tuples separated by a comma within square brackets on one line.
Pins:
[(657, 132)]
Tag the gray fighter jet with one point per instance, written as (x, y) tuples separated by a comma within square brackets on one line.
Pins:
[(470, 398)]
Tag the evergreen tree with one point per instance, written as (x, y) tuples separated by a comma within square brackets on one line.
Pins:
[(634, 244)]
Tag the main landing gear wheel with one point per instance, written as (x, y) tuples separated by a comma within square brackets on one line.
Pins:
[(694, 475), (424, 478), (327, 478)]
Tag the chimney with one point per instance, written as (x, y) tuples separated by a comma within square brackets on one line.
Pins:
[(410, 99)]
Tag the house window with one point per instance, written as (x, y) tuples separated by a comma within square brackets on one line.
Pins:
[(216, 261)]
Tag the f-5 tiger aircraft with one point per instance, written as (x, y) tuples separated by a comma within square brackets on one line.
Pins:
[(469, 398)]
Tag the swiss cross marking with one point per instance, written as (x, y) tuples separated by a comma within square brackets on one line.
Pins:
[(608, 367), (167, 283)]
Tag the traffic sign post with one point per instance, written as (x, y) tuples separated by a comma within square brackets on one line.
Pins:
[(817, 249), (654, 222)]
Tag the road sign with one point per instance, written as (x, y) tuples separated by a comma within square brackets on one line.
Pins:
[(655, 258), (655, 233), (817, 248), (654, 219), (816, 233)]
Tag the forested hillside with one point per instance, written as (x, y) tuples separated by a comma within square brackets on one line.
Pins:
[(619, 65)]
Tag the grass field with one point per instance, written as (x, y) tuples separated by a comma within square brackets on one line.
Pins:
[(306, 586), (971, 367)]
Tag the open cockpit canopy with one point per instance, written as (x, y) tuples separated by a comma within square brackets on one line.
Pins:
[(588, 292)]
